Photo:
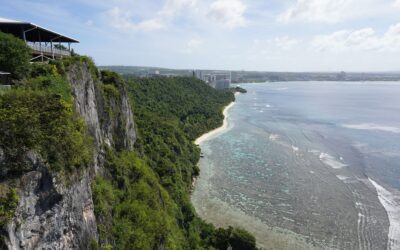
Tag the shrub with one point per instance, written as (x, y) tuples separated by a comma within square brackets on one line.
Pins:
[(14, 56), (51, 83), (234, 238), (8, 204), (132, 209), (109, 77), (241, 239), (42, 69), (43, 122)]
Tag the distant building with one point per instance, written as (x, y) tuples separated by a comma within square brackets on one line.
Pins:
[(45, 44), (156, 74), (215, 80)]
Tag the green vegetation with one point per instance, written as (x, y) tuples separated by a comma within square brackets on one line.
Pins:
[(67, 62), (170, 113), (8, 204), (134, 211), (37, 115), (235, 238), (141, 198), (142, 201), (14, 56), (238, 89)]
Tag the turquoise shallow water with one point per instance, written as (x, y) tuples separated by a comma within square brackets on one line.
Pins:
[(294, 164)]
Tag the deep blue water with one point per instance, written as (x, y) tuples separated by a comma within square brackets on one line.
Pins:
[(298, 156)]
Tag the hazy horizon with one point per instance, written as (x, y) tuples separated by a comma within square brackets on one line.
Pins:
[(251, 35), (262, 71)]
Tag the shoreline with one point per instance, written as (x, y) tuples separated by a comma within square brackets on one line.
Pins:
[(279, 237), (211, 134)]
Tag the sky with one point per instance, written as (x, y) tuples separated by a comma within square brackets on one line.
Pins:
[(264, 35)]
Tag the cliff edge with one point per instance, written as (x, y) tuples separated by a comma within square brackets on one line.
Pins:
[(55, 208)]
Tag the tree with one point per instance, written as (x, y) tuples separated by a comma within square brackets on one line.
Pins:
[(14, 56), (60, 46)]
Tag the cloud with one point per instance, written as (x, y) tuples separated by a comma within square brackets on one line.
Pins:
[(122, 20), (396, 4), (330, 11), (192, 45), (224, 13), (273, 47), (174, 7), (360, 40), (285, 42), (228, 13)]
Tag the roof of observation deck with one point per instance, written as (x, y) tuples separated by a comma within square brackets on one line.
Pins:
[(33, 32)]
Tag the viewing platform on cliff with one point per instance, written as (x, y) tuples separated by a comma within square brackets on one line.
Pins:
[(45, 44)]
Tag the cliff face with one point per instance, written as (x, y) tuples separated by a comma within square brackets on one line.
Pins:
[(53, 213), (109, 119)]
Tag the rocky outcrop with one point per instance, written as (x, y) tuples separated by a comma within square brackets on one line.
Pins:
[(54, 213), (110, 120), (51, 214)]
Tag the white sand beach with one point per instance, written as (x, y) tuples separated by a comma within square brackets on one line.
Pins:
[(212, 133)]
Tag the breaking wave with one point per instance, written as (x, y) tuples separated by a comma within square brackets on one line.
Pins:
[(372, 126)]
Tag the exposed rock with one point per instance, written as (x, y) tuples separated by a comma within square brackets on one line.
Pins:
[(57, 214), (114, 127), (51, 215), (84, 90), (130, 132), (116, 119), (1, 155)]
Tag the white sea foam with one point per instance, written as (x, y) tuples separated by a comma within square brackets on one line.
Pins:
[(342, 177), (295, 149), (274, 137), (372, 126), (391, 202), (314, 151), (331, 161), (360, 145), (268, 106)]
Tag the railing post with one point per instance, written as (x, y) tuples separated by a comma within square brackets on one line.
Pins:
[(52, 50)]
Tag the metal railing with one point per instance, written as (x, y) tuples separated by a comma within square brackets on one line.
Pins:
[(48, 50)]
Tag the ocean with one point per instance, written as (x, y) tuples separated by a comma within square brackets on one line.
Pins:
[(307, 165)]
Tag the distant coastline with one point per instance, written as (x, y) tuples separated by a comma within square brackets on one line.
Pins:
[(261, 76)]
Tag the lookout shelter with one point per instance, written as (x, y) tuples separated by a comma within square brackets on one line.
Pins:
[(45, 44)]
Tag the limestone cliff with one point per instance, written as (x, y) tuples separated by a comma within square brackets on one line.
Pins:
[(53, 213)]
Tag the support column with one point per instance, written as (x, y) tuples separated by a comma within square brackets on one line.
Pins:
[(40, 45), (23, 34), (60, 50), (52, 50)]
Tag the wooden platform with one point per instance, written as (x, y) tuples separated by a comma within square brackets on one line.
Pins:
[(48, 52)]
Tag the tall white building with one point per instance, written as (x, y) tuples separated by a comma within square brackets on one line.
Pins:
[(215, 80)]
